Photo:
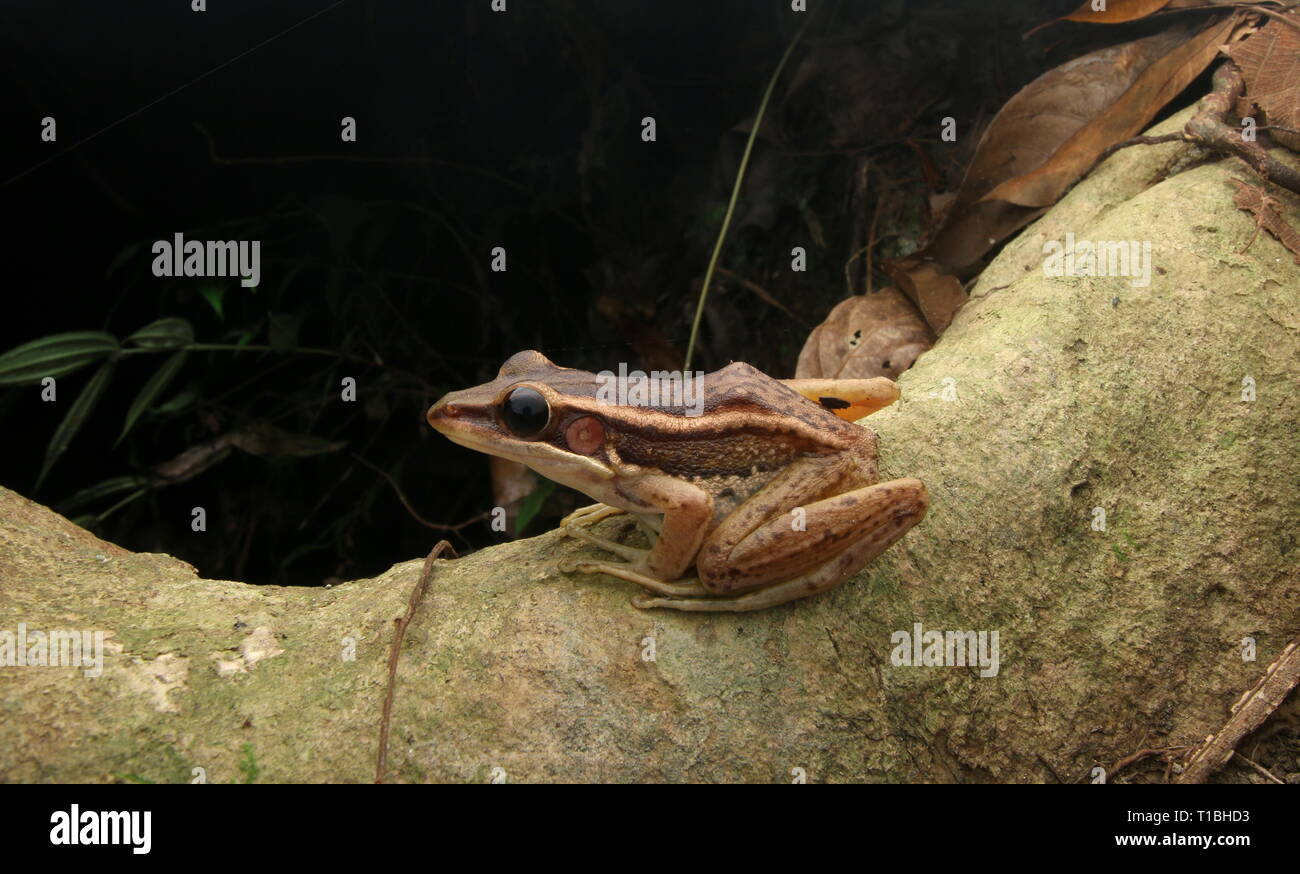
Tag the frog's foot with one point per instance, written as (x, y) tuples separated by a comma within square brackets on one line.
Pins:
[(740, 604), (759, 599), (631, 572), (590, 515), (634, 554)]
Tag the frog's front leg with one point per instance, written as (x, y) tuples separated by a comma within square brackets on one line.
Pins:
[(590, 515), (687, 511)]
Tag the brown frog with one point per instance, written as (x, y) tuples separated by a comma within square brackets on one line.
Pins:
[(771, 492)]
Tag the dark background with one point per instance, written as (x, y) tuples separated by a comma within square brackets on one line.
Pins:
[(475, 130)]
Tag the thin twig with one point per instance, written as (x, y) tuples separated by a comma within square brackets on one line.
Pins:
[(1288, 21), (1139, 141), (1209, 127), (407, 504), (871, 242), (1258, 767), (1142, 754), (1250, 711), (763, 293), (381, 765)]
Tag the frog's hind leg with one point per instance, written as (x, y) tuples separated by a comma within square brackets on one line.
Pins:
[(892, 508), (850, 399)]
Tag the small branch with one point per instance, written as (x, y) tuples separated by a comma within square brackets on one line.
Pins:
[(417, 594), (1209, 127), (1250, 711), (1142, 754), (1258, 767), (1139, 141), (762, 293)]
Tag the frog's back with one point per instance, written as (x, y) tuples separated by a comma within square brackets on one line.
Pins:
[(741, 387)]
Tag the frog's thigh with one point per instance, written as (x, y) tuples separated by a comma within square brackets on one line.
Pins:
[(850, 399), (831, 573), (862, 522)]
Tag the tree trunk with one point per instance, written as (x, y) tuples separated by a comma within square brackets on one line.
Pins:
[(1048, 402)]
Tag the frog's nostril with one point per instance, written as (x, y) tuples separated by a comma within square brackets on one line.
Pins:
[(439, 412)]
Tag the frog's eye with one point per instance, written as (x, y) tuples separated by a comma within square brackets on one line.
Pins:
[(525, 411)]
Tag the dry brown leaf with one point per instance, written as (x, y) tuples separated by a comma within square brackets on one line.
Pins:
[(1270, 63), (1115, 11), (1157, 84), (1026, 132), (1121, 11), (1265, 209), (878, 334), (936, 294)]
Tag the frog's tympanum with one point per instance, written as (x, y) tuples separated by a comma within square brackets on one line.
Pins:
[(769, 494)]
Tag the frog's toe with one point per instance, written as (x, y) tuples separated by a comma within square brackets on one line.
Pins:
[(631, 553), (588, 515)]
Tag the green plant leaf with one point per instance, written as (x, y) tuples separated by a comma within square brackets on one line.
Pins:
[(177, 402), (214, 294), (99, 520), (55, 355), (531, 505), (77, 414), (161, 378), (169, 333), (103, 489)]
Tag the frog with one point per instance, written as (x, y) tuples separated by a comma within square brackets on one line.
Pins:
[(767, 488)]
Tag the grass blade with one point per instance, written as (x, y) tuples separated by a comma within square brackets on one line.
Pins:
[(77, 415), (169, 333), (161, 378)]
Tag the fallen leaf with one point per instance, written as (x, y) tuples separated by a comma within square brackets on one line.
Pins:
[(1115, 11), (1270, 64), (1158, 83), (1025, 133), (867, 335), (936, 294)]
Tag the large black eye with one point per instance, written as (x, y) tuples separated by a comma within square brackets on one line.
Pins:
[(525, 411)]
